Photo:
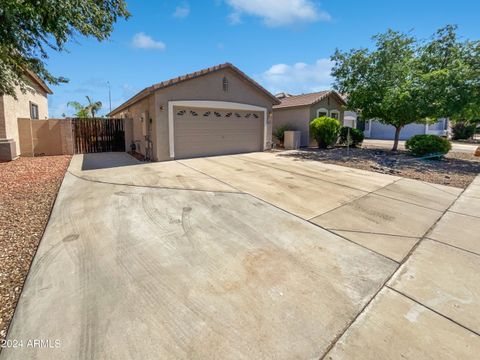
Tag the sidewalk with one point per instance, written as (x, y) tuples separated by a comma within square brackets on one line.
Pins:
[(433, 298)]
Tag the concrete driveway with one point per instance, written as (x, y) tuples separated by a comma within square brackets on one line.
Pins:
[(255, 256)]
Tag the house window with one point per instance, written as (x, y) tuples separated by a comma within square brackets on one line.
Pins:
[(335, 114), (225, 84), (33, 111), (322, 112)]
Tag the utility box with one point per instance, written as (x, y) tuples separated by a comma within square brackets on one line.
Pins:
[(291, 140)]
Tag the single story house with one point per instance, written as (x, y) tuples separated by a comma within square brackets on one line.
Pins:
[(33, 104), (376, 130), (299, 110), (215, 111)]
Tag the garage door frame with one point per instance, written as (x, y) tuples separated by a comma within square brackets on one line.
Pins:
[(223, 105)]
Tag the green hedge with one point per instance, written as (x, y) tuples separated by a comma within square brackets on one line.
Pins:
[(325, 131), (356, 136), (423, 145)]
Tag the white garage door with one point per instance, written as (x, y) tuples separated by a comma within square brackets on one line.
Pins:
[(207, 132)]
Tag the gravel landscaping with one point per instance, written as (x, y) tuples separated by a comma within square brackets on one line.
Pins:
[(456, 169), (28, 187)]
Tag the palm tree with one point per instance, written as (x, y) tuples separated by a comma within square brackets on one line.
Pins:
[(81, 111), (93, 106), (86, 111)]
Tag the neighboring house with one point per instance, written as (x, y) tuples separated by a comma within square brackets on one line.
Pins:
[(214, 111), (32, 104), (376, 130), (300, 110)]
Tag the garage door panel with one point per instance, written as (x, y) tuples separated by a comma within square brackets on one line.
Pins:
[(206, 132)]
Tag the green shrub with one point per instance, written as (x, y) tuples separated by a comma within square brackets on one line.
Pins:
[(279, 132), (462, 130), (356, 136), (325, 131), (421, 145)]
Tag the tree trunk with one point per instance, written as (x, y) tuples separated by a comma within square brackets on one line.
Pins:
[(397, 136)]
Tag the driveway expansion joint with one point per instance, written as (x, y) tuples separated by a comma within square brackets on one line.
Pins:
[(375, 233), (431, 309), (153, 202), (384, 285), (460, 213), (358, 198), (153, 187), (453, 246), (299, 217), (309, 176)]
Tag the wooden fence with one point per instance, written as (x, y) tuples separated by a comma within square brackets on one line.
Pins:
[(93, 135)]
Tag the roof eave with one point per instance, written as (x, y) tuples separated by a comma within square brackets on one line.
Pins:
[(165, 84), (290, 106), (40, 82)]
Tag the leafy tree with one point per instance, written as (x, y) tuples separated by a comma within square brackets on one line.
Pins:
[(30, 28), (86, 111), (451, 75), (403, 81)]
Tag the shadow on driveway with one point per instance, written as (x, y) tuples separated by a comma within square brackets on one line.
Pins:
[(107, 160)]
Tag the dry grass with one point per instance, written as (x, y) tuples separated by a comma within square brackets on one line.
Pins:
[(28, 187)]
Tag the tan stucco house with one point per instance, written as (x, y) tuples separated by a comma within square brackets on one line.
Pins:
[(215, 111), (299, 110), (31, 104)]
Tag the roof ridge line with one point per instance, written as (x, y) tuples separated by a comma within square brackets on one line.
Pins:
[(192, 75)]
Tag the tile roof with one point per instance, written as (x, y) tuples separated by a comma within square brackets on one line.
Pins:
[(307, 99), (147, 91)]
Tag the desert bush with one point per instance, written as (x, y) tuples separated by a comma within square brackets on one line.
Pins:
[(325, 131), (462, 130), (421, 145), (356, 136)]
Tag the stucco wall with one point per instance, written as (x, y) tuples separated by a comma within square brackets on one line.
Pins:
[(298, 117), (3, 130), (329, 103), (20, 108), (208, 87), (135, 132), (45, 137)]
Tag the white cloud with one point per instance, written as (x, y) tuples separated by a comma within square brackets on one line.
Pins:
[(182, 11), (277, 12), (297, 78), (142, 41)]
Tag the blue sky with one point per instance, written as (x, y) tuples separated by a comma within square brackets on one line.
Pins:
[(283, 44)]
